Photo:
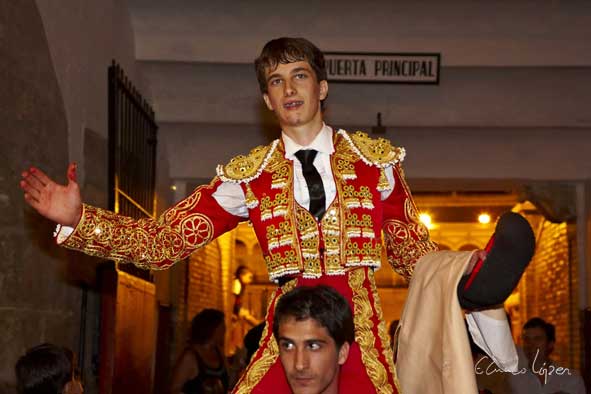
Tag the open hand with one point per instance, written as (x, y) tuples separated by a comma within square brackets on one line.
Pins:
[(62, 204)]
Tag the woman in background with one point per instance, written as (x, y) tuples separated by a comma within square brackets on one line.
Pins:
[(201, 368)]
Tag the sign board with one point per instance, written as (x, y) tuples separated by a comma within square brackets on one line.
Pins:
[(415, 68)]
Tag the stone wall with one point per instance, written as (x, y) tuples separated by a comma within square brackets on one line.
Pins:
[(38, 300), (53, 109)]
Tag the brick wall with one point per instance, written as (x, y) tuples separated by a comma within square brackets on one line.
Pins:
[(549, 288), (202, 290)]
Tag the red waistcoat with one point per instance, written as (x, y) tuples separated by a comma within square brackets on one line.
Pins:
[(291, 239)]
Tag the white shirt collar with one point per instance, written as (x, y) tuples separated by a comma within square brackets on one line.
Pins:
[(322, 143)]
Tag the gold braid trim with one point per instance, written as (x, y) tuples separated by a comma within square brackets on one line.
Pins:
[(257, 370), (363, 313), (378, 152), (382, 331), (243, 169)]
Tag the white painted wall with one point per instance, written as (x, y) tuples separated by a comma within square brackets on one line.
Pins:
[(468, 33), (513, 96), (466, 96), (83, 37)]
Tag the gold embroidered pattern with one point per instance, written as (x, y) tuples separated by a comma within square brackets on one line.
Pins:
[(246, 168), (145, 242), (406, 240), (331, 231), (364, 336), (274, 208), (345, 168), (280, 178), (282, 263), (357, 228), (378, 152), (357, 199), (382, 331), (309, 242), (277, 237), (368, 254), (283, 258)]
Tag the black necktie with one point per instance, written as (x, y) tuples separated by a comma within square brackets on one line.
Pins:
[(314, 182)]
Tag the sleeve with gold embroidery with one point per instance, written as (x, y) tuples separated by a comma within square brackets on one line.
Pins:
[(406, 238), (148, 243)]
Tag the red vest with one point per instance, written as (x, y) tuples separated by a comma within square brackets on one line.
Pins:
[(292, 241)]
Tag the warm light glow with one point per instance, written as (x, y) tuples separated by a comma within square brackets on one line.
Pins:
[(173, 187), (484, 218), (426, 219)]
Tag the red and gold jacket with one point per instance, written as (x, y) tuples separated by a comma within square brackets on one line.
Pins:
[(292, 241)]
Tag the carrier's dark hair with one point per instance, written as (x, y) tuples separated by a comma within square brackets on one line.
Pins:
[(44, 369), (288, 50), (321, 303), (548, 328), (204, 325)]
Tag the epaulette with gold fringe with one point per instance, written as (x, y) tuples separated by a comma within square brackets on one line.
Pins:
[(378, 152), (244, 169)]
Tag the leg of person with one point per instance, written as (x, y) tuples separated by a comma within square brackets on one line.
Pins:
[(509, 252)]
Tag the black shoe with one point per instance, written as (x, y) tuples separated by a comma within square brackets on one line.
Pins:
[(509, 252)]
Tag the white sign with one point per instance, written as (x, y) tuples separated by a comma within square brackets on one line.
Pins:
[(383, 67)]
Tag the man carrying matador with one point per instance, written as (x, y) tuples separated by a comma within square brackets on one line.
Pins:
[(319, 200)]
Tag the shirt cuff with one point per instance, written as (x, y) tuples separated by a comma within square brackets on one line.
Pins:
[(494, 337), (62, 233)]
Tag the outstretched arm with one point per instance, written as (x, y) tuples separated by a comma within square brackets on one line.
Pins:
[(60, 203), (148, 243)]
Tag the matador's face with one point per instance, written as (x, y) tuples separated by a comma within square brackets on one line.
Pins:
[(294, 94)]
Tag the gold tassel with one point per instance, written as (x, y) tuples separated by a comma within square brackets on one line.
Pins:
[(251, 200), (383, 183)]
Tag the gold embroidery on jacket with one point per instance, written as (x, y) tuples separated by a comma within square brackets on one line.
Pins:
[(406, 240), (309, 242), (378, 152), (369, 253), (364, 334), (382, 331), (246, 168), (145, 242), (331, 232), (282, 233)]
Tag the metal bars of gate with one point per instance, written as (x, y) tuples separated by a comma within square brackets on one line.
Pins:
[(132, 153)]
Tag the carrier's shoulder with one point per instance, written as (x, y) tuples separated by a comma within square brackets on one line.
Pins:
[(374, 151)]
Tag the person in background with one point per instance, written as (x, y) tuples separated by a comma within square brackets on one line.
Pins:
[(242, 318), (542, 375), (47, 369), (201, 368), (242, 278), (252, 340)]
